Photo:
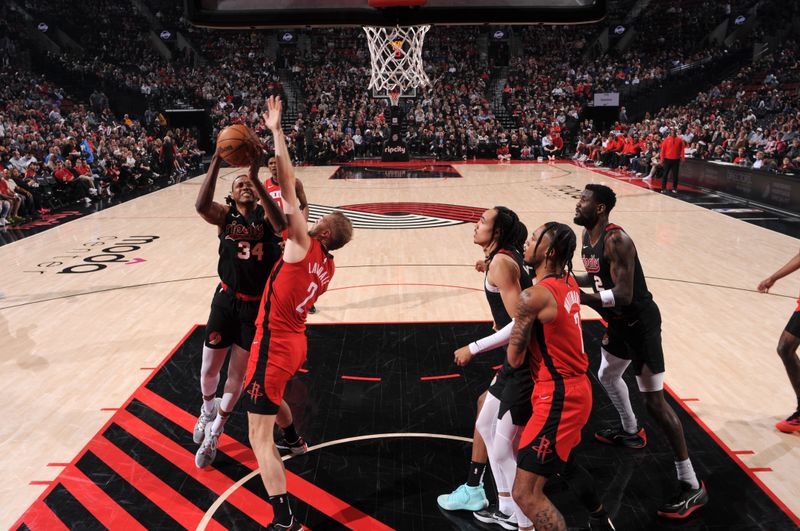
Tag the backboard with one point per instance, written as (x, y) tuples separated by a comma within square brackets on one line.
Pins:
[(333, 13)]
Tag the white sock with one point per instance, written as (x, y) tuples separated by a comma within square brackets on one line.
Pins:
[(208, 405), (506, 506), (610, 375), (219, 423), (686, 473)]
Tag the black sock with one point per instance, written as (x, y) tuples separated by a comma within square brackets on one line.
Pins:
[(281, 509), (475, 473), (290, 434)]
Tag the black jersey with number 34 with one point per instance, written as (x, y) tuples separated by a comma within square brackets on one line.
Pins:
[(599, 269), (248, 248)]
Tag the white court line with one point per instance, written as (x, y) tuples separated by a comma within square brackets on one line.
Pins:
[(224, 496)]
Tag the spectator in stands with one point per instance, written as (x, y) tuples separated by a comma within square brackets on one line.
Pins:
[(760, 162), (14, 201)]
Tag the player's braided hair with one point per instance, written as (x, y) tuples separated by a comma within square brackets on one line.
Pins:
[(511, 231), (563, 243)]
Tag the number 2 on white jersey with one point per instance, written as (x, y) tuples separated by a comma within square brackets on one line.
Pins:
[(312, 289)]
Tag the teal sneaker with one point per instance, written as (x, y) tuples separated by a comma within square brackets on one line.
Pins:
[(464, 498)]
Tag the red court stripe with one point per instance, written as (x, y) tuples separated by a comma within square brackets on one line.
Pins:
[(227, 444), (497, 367), (327, 504), (147, 368), (110, 420), (441, 377), (735, 457), (107, 511), (39, 516), (743, 452), (302, 370), (173, 503), (35, 482), (109, 409), (363, 378), (57, 464), (761, 469), (217, 482), (690, 399)]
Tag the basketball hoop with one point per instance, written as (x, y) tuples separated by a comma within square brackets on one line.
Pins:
[(396, 57)]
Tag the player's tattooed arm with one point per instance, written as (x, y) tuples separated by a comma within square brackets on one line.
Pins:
[(527, 310), (621, 255), (205, 205)]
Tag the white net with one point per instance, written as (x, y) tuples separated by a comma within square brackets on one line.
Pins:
[(396, 55)]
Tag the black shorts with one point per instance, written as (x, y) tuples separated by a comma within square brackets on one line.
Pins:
[(637, 339), (499, 382), (793, 326), (231, 321), (516, 395)]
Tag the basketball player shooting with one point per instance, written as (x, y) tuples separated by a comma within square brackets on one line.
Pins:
[(280, 346), (248, 248)]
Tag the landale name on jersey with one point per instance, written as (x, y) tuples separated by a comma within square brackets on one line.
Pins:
[(592, 264), (320, 272), (238, 231)]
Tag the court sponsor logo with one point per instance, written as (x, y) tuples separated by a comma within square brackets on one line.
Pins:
[(94, 255), (401, 215)]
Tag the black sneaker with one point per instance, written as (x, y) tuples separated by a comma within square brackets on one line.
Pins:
[(619, 437), (686, 501), (298, 447), (294, 525), (312, 310)]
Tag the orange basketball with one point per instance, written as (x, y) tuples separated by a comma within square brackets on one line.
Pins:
[(233, 146)]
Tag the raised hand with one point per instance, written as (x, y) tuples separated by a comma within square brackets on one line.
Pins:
[(272, 118)]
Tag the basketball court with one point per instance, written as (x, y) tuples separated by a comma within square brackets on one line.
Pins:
[(101, 320)]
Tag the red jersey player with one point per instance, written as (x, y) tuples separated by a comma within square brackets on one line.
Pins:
[(278, 351), (562, 395)]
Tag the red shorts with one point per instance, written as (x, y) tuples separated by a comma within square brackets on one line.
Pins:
[(560, 411), (274, 358)]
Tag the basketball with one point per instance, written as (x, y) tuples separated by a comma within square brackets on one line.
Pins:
[(233, 147)]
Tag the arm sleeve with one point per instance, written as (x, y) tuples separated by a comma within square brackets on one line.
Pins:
[(498, 339)]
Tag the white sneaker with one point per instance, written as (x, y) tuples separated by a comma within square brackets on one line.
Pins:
[(87, 201), (506, 521), (3, 222), (208, 450), (203, 420), (93, 191)]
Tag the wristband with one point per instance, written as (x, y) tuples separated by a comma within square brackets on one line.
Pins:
[(607, 296)]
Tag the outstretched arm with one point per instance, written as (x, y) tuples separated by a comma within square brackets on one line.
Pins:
[(205, 205), (298, 241), (301, 197), (790, 267), (621, 255), (527, 311)]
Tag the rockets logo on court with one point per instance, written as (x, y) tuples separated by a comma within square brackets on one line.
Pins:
[(401, 215)]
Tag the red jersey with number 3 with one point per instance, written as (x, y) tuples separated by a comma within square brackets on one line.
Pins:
[(293, 288), (275, 191), (557, 347)]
